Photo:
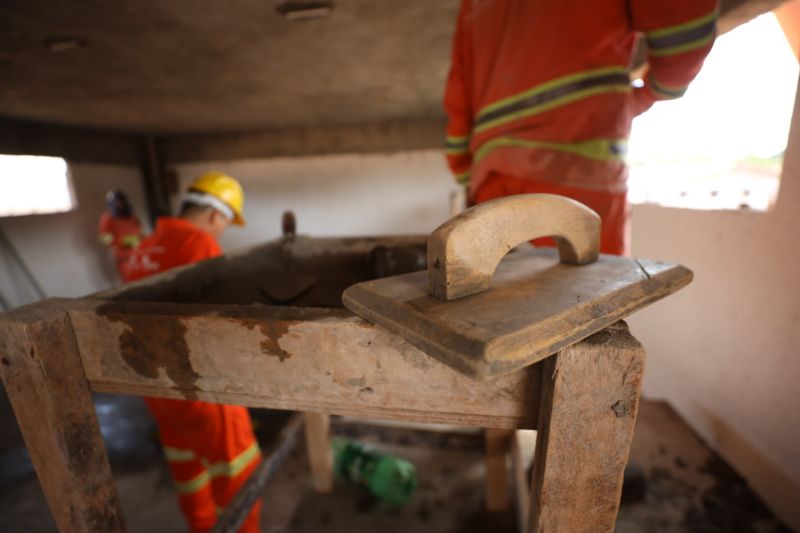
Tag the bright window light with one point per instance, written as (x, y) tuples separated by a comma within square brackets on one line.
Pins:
[(34, 185), (721, 146)]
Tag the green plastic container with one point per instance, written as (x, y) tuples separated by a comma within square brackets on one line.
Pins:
[(391, 479)]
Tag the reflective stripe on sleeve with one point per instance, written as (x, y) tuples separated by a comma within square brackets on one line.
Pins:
[(596, 149), (553, 94), (665, 91), (220, 469), (456, 145), (131, 241), (234, 468), (193, 485), (177, 455), (683, 37)]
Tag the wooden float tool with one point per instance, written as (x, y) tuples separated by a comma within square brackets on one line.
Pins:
[(485, 311)]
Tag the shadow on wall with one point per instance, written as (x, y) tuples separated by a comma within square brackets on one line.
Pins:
[(90, 207)]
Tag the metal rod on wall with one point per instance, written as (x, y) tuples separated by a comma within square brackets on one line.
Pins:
[(155, 189)]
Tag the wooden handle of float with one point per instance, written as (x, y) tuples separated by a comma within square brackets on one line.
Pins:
[(464, 252)]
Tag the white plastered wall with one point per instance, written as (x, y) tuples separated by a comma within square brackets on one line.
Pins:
[(62, 250), (725, 351), (401, 193)]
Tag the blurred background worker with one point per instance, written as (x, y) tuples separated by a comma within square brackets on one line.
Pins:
[(120, 230), (539, 96), (210, 448)]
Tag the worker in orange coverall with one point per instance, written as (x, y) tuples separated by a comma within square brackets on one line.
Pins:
[(539, 95), (120, 230), (210, 448)]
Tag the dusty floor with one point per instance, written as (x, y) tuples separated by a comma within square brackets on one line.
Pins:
[(687, 487)]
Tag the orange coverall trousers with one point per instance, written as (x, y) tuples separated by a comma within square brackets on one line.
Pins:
[(211, 451), (612, 207)]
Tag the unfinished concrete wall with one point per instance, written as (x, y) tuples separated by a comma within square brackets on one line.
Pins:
[(402, 193), (62, 250), (725, 351)]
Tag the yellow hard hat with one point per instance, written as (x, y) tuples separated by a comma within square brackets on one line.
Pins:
[(223, 188)]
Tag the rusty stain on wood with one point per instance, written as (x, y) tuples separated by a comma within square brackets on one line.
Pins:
[(272, 331), (331, 350), (151, 343)]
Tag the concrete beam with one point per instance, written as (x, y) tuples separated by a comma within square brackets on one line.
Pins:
[(297, 142), (21, 137)]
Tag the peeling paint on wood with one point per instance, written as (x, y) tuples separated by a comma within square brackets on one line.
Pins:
[(150, 344), (333, 362), (273, 331)]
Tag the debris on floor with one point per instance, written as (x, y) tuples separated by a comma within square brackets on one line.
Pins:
[(686, 487)]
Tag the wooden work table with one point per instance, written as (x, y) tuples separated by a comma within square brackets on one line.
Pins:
[(213, 332)]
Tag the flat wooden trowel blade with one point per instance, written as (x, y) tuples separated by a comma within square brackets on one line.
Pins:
[(534, 307)]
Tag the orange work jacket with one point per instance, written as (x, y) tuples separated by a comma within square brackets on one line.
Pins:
[(122, 235), (540, 89), (210, 448), (120, 232), (175, 242)]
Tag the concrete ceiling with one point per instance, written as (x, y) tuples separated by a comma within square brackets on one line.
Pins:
[(187, 66), (204, 65)]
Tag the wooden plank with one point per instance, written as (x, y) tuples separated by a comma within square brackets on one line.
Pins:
[(248, 276), (522, 450), (317, 360), (498, 445), (44, 379), (320, 453), (535, 307), (590, 397)]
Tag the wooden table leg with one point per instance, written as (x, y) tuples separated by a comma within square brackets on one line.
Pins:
[(44, 378), (320, 454), (590, 396), (522, 451), (498, 446)]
